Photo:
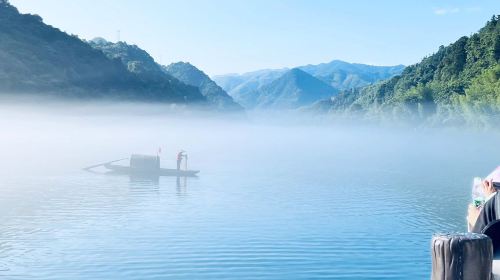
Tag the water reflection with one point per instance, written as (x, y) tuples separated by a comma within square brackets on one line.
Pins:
[(181, 184), (144, 183), (147, 181), (152, 183), (144, 180)]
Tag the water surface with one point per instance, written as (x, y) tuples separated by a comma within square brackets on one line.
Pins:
[(273, 201)]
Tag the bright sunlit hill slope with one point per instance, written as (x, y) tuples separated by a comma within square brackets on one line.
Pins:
[(458, 84)]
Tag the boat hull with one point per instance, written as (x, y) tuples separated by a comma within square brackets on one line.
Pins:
[(127, 170)]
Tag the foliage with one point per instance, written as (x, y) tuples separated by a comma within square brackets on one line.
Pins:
[(455, 85), (481, 102)]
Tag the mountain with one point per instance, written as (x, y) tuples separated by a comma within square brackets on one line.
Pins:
[(292, 90), (343, 75), (191, 75), (457, 84), (139, 62), (135, 59), (241, 87), (39, 59), (338, 74)]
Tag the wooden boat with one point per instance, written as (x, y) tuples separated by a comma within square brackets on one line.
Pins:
[(143, 166), (127, 170)]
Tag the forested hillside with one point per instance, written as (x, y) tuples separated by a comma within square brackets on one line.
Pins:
[(42, 60), (457, 84)]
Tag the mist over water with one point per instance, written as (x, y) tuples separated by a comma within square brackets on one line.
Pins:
[(274, 199)]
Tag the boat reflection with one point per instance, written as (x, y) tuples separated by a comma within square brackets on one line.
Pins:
[(181, 185), (153, 183), (144, 180)]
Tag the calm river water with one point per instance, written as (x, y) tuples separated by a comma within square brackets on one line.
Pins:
[(271, 202)]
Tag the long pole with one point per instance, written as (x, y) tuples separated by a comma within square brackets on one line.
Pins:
[(101, 164)]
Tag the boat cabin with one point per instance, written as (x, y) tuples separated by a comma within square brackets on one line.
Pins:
[(143, 162)]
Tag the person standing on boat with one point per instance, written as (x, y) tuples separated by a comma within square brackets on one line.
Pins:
[(180, 156)]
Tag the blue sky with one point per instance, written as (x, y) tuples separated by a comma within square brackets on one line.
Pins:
[(223, 36)]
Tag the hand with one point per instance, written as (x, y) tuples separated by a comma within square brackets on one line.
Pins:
[(473, 214), (488, 187)]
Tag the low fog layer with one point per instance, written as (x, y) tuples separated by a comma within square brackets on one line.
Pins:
[(64, 138)]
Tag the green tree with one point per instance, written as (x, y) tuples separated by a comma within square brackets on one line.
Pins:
[(481, 102)]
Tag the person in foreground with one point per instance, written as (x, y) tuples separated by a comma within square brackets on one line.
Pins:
[(479, 218)]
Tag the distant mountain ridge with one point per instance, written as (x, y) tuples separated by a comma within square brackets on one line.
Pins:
[(338, 74), (292, 90), (343, 75), (40, 59), (189, 74)]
